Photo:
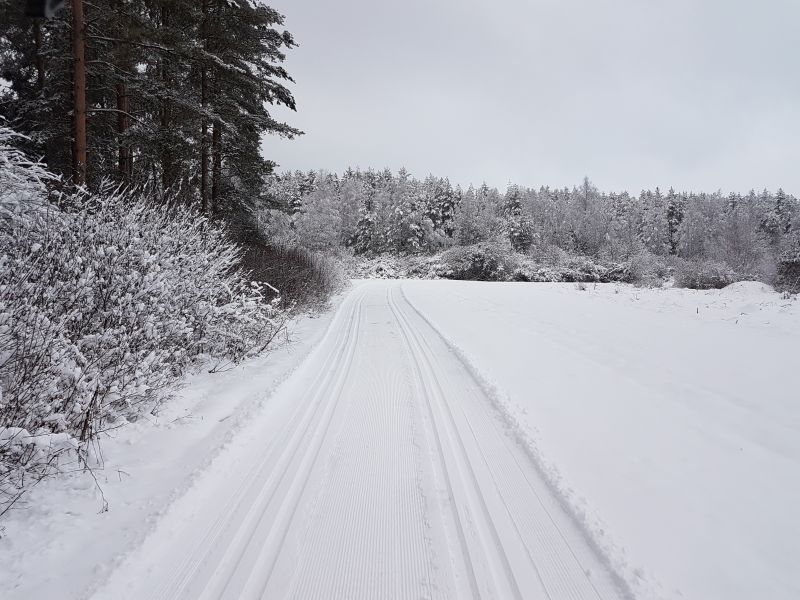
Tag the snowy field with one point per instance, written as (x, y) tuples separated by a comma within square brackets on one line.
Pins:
[(668, 419), (435, 439)]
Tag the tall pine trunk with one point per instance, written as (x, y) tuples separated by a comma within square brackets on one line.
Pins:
[(204, 145), (123, 122), (122, 62), (39, 43), (167, 162), (78, 94), (38, 40), (204, 127), (168, 175), (216, 177)]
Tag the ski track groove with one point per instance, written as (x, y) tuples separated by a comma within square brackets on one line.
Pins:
[(445, 475), (560, 571), (394, 477), (609, 584), (289, 445), (290, 503), (191, 562), (433, 389), (382, 411)]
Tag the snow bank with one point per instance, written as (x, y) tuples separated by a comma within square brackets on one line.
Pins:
[(747, 289)]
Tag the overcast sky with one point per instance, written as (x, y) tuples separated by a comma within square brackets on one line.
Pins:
[(695, 94)]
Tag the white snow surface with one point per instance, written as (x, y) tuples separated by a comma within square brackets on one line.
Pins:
[(668, 420), (436, 439)]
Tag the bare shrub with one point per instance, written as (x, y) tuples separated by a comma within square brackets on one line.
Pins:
[(304, 278)]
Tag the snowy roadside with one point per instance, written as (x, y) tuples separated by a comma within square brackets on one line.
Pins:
[(664, 419), (71, 531)]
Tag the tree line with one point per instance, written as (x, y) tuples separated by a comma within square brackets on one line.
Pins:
[(376, 212), (173, 95)]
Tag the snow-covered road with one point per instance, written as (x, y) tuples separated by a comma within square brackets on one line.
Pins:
[(384, 470)]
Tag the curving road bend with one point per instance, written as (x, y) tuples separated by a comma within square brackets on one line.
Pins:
[(385, 473)]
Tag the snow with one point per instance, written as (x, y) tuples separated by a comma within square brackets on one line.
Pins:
[(380, 471), (667, 419), (70, 532), (447, 439)]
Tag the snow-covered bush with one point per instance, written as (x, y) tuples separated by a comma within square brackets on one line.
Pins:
[(703, 275), (486, 261), (391, 266), (528, 271), (418, 267), (104, 302), (278, 227), (22, 183), (788, 277), (583, 269), (648, 270)]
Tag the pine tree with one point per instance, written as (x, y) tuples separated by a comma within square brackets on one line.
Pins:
[(655, 226), (247, 76), (177, 93), (520, 230), (675, 210)]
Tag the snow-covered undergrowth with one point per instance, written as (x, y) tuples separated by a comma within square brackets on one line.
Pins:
[(105, 300), (484, 261), (496, 261), (665, 418), (306, 279)]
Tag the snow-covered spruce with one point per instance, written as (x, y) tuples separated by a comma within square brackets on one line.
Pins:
[(105, 300)]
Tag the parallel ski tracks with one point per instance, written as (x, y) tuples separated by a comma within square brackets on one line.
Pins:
[(282, 452), (479, 459), (393, 477), (443, 443), (368, 509)]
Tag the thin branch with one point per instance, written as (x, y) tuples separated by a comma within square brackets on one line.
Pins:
[(118, 111), (140, 44)]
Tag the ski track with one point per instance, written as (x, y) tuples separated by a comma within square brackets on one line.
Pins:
[(393, 477)]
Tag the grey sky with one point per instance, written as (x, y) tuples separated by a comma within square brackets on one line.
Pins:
[(695, 94)]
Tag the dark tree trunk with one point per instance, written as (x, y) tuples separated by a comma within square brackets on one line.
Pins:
[(216, 178), (37, 39), (167, 162), (204, 147), (122, 62), (123, 122), (78, 94), (204, 127), (168, 176)]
